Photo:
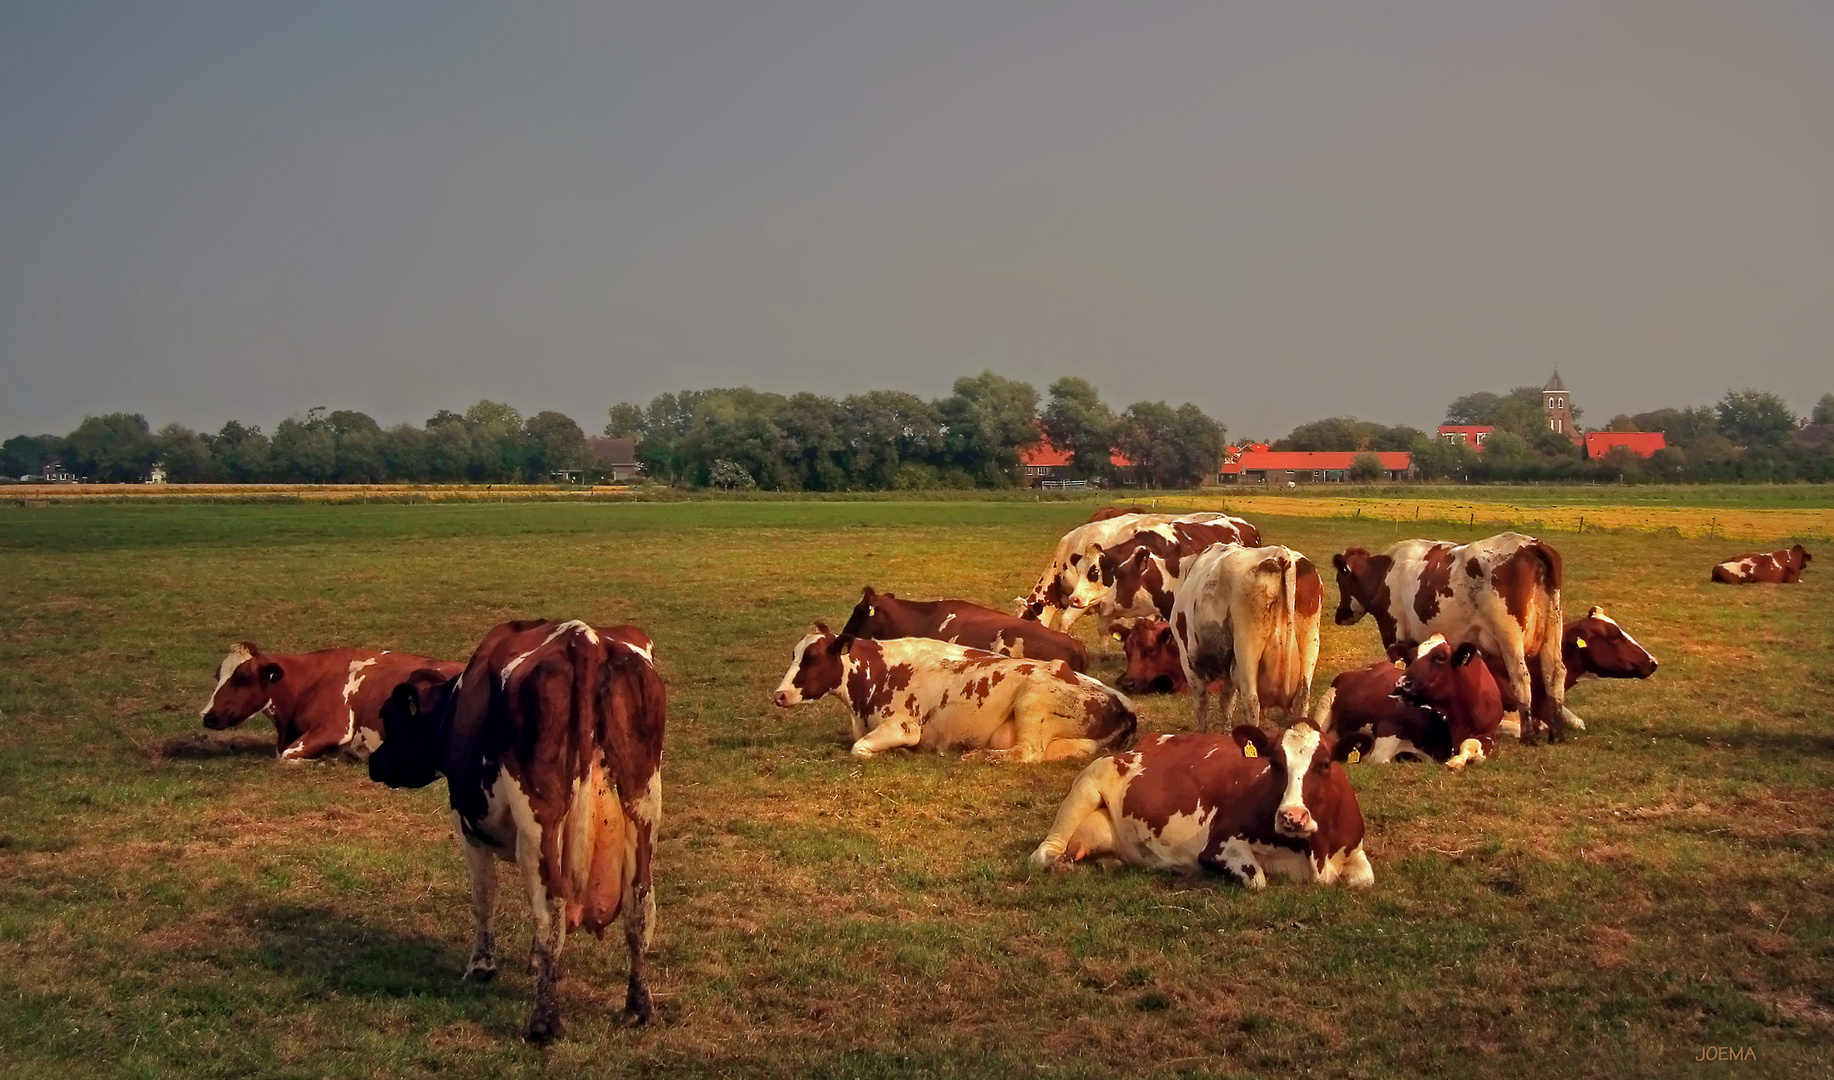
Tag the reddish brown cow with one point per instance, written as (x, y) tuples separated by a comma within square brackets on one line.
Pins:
[(1153, 666), (322, 703), (1767, 567), (1596, 647), (884, 615), (1449, 712), (551, 746), (1241, 805)]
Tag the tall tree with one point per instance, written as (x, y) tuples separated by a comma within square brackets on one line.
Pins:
[(1170, 447), (115, 448), (24, 455), (1755, 418), (184, 454), (1824, 410), (304, 451), (988, 419), (1078, 421), (242, 455), (555, 441), (626, 421)]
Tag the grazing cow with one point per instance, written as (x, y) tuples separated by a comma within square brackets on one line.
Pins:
[(931, 695), (322, 703), (883, 615), (1153, 666), (1248, 617), (1077, 548), (551, 746), (1768, 567), (1429, 701), (1501, 594), (1241, 805), (1159, 553)]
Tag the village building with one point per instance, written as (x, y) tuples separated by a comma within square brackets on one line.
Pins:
[(618, 457), (1291, 467), (1046, 466), (1641, 443)]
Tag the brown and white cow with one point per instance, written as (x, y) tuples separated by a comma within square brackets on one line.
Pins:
[(1146, 567), (1501, 594), (930, 695), (322, 703), (1076, 551), (551, 746), (1241, 805), (885, 615), (1596, 647), (1767, 567), (1248, 617), (1429, 701), (1153, 666)]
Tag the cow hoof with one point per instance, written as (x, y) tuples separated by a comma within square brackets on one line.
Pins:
[(479, 971), (544, 1027)]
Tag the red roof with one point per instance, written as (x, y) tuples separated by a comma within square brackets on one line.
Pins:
[(1258, 460), (1043, 454), (1642, 443)]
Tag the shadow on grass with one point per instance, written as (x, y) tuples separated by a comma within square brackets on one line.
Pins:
[(1794, 743), (324, 949), (203, 744)]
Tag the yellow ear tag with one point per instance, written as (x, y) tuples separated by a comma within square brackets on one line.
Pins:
[(1355, 756), (1248, 750), (870, 611), (1402, 664), (1117, 635), (1581, 642)]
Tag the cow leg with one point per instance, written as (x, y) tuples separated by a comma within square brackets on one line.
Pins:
[(1200, 690), (313, 744), (1468, 751), (640, 898), (549, 915), (1236, 861), (888, 736), (1084, 800), (1522, 686), (1247, 676), (482, 865)]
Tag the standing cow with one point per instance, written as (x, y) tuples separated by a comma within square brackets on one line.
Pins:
[(1248, 617), (551, 746), (1768, 567), (930, 695), (322, 703), (1240, 805), (1075, 550), (1501, 594), (885, 615), (1169, 547)]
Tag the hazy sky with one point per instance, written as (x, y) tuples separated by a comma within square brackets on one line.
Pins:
[(1278, 210)]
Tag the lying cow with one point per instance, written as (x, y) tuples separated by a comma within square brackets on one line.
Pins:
[(930, 695), (1248, 617), (1153, 666), (322, 703), (1428, 701), (1241, 805), (1107, 512), (1501, 594), (1768, 567), (1075, 551), (884, 615), (551, 746), (1596, 647)]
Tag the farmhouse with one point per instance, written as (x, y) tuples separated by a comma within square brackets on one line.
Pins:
[(1282, 467), (1641, 443), (1472, 435), (618, 457), (1045, 464)]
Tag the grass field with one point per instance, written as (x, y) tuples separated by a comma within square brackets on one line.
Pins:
[(1661, 884)]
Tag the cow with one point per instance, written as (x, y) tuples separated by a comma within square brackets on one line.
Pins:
[(1248, 617), (551, 745), (884, 615), (1768, 567), (931, 695), (1152, 660), (323, 704), (1166, 549), (1240, 805), (1428, 700), (1107, 512), (1501, 594), (1596, 647), (1069, 561)]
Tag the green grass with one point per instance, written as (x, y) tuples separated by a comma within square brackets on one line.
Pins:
[(1606, 907)]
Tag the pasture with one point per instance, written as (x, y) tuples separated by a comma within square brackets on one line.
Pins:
[(1618, 905)]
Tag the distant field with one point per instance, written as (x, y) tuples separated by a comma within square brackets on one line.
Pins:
[(1607, 907)]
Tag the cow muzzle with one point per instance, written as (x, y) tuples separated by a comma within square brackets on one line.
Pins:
[(784, 699), (1295, 821), (217, 723)]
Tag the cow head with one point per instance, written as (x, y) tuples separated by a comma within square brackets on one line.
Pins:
[(1152, 660), (1310, 766), (815, 668), (1457, 686), (1133, 584), (1078, 584), (1361, 587), (1799, 557), (413, 731), (245, 686), (1597, 645), (862, 623)]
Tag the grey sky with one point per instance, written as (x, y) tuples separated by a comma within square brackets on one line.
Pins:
[(1281, 211)]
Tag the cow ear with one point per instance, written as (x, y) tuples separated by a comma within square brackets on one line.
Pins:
[(1351, 748), (1338, 561), (1464, 654), (1254, 743), (406, 700), (1402, 650), (1164, 633), (1596, 612), (819, 627), (1141, 556), (866, 595), (271, 673)]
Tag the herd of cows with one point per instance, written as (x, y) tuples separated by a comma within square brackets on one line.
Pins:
[(550, 737)]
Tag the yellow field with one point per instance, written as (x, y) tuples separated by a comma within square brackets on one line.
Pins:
[(308, 492)]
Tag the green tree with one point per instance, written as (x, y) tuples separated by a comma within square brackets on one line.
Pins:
[(116, 448), (242, 455), (555, 441), (404, 453), (1170, 447), (1824, 410), (1518, 411), (1755, 418), (1335, 434), (358, 450), (626, 421), (1077, 420), (1366, 468), (185, 455), (304, 451), (24, 455), (499, 446), (987, 421), (885, 433), (1622, 422), (1681, 427)]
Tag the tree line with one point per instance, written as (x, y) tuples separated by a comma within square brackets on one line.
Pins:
[(891, 440)]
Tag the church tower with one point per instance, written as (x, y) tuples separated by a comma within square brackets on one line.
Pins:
[(1556, 407)]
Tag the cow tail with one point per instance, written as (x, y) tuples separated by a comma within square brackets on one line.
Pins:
[(1321, 714)]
